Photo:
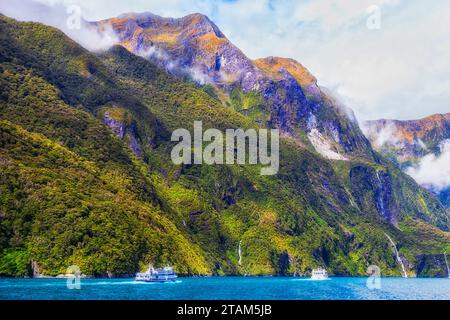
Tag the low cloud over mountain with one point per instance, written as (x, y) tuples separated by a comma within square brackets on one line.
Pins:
[(67, 18), (433, 170)]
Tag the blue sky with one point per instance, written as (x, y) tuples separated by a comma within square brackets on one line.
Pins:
[(401, 70)]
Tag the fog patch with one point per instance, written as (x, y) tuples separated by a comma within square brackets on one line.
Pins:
[(339, 102), (173, 66), (68, 19), (433, 171), (380, 137)]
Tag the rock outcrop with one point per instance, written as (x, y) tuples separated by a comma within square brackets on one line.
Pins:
[(408, 142), (121, 124)]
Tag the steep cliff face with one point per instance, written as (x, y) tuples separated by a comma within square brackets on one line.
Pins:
[(409, 140), (375, 188), (290, 98), (121, 123), (193, 45), (432, 266), (420, 147)]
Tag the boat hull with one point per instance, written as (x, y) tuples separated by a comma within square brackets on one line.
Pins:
[(158, 280)]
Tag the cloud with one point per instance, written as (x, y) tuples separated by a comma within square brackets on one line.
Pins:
[(433, 171), (67, 18), (387, 135), (173, 66)]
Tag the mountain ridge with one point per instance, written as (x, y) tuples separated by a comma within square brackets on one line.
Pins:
[(278, 91), (409, 139), (418, 128), (315, 212), (408, 142)]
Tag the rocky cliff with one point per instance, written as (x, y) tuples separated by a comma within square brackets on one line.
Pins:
[(420, 147), (287, 95), (409, 140)]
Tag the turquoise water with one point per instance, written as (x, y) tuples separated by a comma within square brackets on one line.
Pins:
[(240, 288)]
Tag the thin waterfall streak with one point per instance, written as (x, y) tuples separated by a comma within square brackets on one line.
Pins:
[(405, 275)]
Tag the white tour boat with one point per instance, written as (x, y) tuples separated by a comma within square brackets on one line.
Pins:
[(166, 274), (319, 274)]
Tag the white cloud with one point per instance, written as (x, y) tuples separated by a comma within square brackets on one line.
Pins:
[(161, 58), (387, 135), (400, 71), (63, 17), (433, 171)]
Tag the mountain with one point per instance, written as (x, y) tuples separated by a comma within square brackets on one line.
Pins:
[(274, 91), (86, 176), (409, 140), (410, 143)]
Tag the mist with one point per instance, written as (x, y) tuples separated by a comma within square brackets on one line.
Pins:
[(386, 136), (68, 19), (173, 66), (433, 171)]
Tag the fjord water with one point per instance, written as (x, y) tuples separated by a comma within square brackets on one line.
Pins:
[(252, 288)]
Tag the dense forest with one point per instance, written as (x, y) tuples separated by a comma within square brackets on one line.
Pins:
[(75, 192)]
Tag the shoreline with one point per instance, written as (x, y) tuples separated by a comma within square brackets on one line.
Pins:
[(131, 276)]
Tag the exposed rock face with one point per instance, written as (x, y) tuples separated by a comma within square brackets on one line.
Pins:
[(322, 146), (407, 142), (287, 103), (371, 184), (431, 266), (117, 126), (274, 67), (282, 263), (36, 270), (194, 45), (124, 131)]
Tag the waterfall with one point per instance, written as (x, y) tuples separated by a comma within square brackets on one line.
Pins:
[(398, 256), (380, 198), (446, 262), (239, 252)]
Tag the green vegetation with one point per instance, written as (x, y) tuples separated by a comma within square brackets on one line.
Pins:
[(71, 192), (250, 104)]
